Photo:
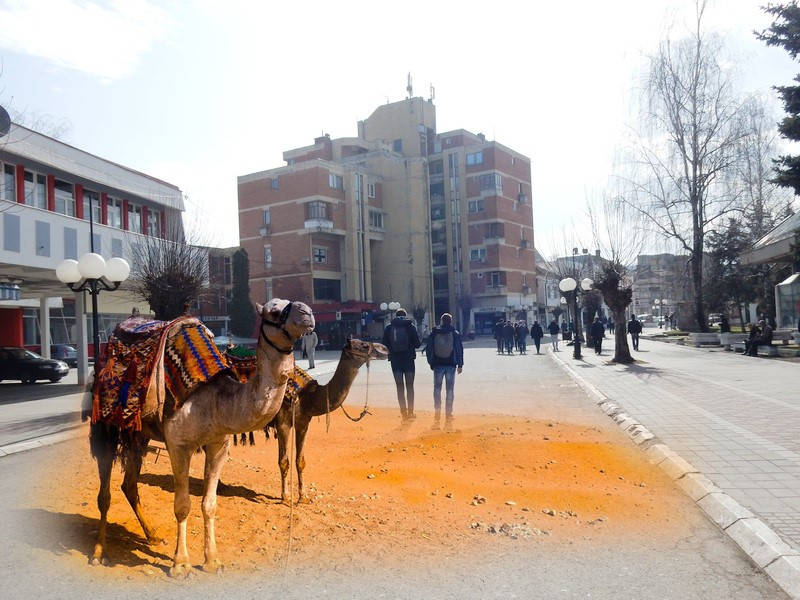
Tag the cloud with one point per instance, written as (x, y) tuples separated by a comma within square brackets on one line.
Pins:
[(103, 39)]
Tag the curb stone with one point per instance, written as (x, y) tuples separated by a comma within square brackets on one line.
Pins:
[(761, 544), (42, 441)]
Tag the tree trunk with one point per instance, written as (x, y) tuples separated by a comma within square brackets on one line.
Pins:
[(741, 317), (622, 352), (697, 283)]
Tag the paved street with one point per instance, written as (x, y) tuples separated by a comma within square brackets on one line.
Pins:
[(735, 418), (702, 563)]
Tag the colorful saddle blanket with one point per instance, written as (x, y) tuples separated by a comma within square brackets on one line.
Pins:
[(123, 390)]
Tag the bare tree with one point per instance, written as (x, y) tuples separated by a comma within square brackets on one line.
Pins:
[(618, 231), (169, 273), (686, 163)]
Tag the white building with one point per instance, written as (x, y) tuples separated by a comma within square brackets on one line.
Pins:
[(47, 189)]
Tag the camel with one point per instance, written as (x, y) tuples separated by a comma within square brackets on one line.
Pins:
[(315, 400), (207, 418)]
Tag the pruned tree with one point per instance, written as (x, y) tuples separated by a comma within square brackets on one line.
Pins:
[(618, 231), (168, 273), (241, 310), (685, 157)]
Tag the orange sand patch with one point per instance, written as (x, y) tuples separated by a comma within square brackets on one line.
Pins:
[(380, 490)]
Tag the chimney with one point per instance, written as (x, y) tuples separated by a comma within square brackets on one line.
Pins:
[(597, 253), (481, 137)]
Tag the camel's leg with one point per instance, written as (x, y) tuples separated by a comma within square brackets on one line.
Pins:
[(283, 431), (105, 460), (180, 457), (130, 486), (300, 430), (216, 454)]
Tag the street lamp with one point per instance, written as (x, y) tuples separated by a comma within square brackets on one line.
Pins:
[(570, 289), (93, 274)]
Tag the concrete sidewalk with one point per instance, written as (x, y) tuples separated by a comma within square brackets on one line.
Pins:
[(734, 418)]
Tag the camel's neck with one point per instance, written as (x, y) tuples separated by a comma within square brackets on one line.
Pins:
[(332, 396)]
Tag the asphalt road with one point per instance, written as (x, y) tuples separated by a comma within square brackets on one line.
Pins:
[(703, 564)]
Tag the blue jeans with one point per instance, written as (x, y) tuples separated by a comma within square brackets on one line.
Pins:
[(449, 374)]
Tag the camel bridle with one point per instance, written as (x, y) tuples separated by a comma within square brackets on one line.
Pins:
[(280, 324)]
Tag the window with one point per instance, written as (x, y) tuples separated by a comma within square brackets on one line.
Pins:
[(370, 190), (513, 162), (375, 219), (474, 158), (114, 209), (436, 167), (134, 218), (153, 222), (266, 218), (320, 255), (335, 181), (65, 200), (35, 190), (496, 279), (397, 145), (476, 206), (91, 199), (318, 209), (438, 236), (477, 255), (440, 259), (494, 230), (440, 282), (116, 247), (267, 257), (437, 212), (491, 181), (327, 289), (7, 184), (275, 182)]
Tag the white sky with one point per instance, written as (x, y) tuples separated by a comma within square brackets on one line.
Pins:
[(198, 93)]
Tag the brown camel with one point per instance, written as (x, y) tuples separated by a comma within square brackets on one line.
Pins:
[(315, 400), (206, 419)]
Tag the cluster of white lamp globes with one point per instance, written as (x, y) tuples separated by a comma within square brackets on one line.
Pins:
[(568, 284), (390, 306), (92, 266)]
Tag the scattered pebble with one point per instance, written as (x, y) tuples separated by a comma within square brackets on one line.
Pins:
[(549, 511), (371, 476), (449, 495), (511, 503)]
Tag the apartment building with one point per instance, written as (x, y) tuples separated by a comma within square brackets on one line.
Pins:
[(212, 305), (436, 222), (661, 285), (48, 190)]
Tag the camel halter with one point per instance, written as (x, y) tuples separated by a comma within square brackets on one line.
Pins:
[(284, 316), (365, 410)]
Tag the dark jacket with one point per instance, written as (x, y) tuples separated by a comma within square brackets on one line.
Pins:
[(401, 360), (553, 328), (498, 330), (456, 358), (508, 331), (598, 330), (634, 326), (522, 332), (536, 331), (766, 336)]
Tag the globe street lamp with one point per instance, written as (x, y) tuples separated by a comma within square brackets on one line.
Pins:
[(570, 289), (93, 274)]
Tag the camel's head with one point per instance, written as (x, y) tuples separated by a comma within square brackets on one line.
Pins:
[(294, 318), (366, 350)]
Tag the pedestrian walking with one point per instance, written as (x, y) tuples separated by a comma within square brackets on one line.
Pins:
[(402, 339), (537, 334), (724, 325), (553, 329), (309, 344), (508, 337), (522, 337), (498, 335), (635, 328), (611, 326), (445, 354), (598, 332)]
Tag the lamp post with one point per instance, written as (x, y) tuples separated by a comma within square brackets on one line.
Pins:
[(570, 289), (93, 274)]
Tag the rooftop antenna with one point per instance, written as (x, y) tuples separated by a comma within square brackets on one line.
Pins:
[(409, 87), (433, 93)]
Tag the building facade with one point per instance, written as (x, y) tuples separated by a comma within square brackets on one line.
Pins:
[(48, 192), (436, 222), (661, 285)]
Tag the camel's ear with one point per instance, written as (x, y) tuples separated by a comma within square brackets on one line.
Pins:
[(259, 308)]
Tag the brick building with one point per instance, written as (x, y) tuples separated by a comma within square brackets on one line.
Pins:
[(438, 222)]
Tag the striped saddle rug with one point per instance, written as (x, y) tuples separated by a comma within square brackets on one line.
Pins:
[(145, 356)]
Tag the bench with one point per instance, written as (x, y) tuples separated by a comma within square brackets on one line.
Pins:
[(698, 339), (762, 350), (784, 336), (728, 339)]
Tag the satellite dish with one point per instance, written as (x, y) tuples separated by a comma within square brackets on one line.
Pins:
[(5, 122)]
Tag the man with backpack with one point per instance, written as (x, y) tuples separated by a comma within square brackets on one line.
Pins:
[(402, 339), (635, 328), (445, 355)]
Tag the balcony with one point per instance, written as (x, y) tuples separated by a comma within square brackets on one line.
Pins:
[(318, 224)]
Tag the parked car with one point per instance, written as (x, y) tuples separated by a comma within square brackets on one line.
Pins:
[(66, 353), (28, 367)]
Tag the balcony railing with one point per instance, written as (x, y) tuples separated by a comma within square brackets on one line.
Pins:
[(318, 224)]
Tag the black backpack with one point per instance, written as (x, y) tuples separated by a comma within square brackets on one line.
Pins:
[(398, 339)]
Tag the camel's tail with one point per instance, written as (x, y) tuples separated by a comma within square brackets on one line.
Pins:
[(109, 440)]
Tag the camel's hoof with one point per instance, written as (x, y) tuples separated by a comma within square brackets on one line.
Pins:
[(180, 570), (155, 540), (214, 566), (96, 561), (304, 500)]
